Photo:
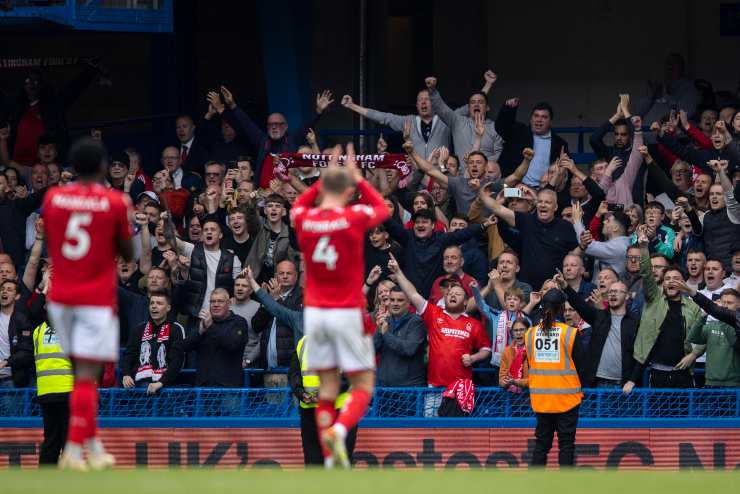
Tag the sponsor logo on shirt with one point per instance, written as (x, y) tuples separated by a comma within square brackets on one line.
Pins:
[(455, 333), (325, 226)]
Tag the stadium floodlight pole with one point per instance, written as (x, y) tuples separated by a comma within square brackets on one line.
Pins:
[(363, 61)]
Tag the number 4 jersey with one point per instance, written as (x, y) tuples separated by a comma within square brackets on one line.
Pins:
[(333, 244), (84, 224)]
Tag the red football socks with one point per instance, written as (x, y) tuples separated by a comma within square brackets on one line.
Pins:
[(83, 411), (354, 409), (326, 414)]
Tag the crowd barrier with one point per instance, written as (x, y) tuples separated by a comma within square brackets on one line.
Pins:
[(388, 403), (250, 428)]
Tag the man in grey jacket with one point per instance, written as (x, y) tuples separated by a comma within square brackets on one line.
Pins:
[(462, 123), (429, 132), (400, 340)]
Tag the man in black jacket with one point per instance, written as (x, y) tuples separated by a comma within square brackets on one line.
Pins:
[(278, 341), (220, 342), (400, 341), (537, 136), (609, 356), (154, 355), (423, 247)]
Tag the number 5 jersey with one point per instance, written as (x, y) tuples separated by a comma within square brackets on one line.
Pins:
[(84, 225)]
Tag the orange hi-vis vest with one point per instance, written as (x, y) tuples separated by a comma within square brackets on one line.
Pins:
[(554, 386)]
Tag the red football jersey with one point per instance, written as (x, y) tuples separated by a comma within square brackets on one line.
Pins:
[(449, 340), (333, 243), (83, 224)]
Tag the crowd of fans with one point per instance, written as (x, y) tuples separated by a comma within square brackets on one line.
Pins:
[(642, 241)]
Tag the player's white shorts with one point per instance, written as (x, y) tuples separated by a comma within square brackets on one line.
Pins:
[(335, 339), (86, 331)]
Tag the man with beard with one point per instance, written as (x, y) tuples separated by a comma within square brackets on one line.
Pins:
[(463, 127), (662, 342), (429, 131), (456, 340), (613, 330), (157, 344)]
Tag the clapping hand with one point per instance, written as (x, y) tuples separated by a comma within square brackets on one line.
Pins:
[(206, 319), (228, 98)]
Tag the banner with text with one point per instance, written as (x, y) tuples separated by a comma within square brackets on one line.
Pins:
[(711, 449)]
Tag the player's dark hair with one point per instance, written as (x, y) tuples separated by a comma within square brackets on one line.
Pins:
[(88, 156)]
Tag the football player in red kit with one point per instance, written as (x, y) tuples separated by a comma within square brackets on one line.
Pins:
[(87, 226), (332, 238)]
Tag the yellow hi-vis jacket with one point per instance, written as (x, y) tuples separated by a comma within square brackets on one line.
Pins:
[(311, 381), (554, 386), (53, 368)]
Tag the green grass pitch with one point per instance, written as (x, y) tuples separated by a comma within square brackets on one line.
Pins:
[(208, 481)]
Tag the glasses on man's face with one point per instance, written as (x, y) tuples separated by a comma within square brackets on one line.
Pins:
[(633, 258), (170, 158), (117, 164)]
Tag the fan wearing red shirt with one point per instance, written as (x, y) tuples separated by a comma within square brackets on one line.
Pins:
[(332, 238), (456, 340), (87, 226)]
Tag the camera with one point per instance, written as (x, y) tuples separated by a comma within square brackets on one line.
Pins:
[(615, 207)]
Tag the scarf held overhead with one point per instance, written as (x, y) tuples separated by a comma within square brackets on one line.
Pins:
[(364, 162)]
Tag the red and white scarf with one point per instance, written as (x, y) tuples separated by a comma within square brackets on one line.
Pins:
[(153, 366), (502, 337), (463, 391), (364, 161)]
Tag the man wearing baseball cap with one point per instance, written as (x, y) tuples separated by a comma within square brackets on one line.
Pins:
[(610, 252)]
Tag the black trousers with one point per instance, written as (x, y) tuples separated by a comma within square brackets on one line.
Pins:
[(671, 379), (547, 423), (312, 454), (56, 419)]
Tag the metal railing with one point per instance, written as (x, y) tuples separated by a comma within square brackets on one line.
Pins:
[(275, 403)]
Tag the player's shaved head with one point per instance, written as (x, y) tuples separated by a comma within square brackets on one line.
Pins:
[(335, 180), (88, 157)]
